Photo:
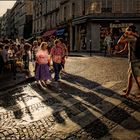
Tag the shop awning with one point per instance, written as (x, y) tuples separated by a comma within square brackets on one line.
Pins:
[(48, 33), (60, 31)]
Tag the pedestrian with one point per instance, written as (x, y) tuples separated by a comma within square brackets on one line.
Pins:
[(4, 54), (51, 43), (35, 48), (65, 53), (1, 59), (108, 42), (130, 38), (42, 73), (26, 56), (39, 40), (57, 53)]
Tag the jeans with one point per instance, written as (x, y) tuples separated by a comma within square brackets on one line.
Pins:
[(57, 68)]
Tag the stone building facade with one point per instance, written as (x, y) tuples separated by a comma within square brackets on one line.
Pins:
[(45, 16), (17, 22), (5, 24), (83, 21), (25, 19), (99, 15), (80, 22), (14, 26), (39, 9)]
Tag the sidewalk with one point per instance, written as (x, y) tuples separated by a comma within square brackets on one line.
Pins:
[(88, 107), (91, 54), (7, 80)]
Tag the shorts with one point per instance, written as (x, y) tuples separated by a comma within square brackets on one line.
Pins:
[(135, 68)]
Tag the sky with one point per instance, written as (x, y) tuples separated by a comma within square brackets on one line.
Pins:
[(6, 4)]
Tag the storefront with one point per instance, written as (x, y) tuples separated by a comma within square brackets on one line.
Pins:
[(49, 33), (60, 32), (116, 30), (90, 30)]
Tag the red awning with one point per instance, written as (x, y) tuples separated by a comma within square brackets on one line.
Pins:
[(48, 33)]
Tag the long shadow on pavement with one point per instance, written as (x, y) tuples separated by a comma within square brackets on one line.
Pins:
[(117, 114), (75, 110), (93, 86), (91, 103), (9, 102)]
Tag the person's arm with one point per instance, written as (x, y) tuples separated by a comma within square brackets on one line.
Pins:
[(51, 53), (125, 49)]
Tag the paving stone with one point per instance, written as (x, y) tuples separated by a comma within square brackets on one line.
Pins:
[(84, 110)]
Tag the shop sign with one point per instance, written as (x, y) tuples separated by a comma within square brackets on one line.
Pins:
[(121, 25)]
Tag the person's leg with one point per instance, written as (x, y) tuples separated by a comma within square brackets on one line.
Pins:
[(136, 71), (138, 82), (59, 70), (109, 49), (56, 71), (129, 85)]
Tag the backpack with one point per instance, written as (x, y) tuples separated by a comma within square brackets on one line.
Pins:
[(137, 48)]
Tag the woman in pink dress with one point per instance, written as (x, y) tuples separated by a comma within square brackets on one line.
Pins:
[(42, 58)]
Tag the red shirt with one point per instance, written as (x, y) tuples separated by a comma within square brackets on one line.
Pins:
[(57, 52)]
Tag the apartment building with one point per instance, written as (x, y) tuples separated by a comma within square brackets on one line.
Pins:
[(5, 24), (17, 21), (45, 17), (39, 9), (25, 18), (14, 21)]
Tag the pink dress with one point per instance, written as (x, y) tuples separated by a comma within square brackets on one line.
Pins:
[(42, 69)]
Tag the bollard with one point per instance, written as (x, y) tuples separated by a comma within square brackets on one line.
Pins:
[(90, 48)]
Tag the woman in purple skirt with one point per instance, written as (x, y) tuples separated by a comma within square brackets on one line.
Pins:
[(42, 69)]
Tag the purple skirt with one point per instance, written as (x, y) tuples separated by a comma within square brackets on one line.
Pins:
[(42, 72)]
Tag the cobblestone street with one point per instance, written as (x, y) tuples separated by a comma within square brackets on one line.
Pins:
[(85, 105)]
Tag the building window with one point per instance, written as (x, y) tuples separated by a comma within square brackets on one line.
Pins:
[(41, 24), (95, 6), (136, 6), (127, 6), (73, 10), (56, 18), (117, 6), (51, 21), (65, 13), (106, 5)]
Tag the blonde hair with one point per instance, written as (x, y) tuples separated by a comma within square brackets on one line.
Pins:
[(56, 41), (35, 42), (44, 45)]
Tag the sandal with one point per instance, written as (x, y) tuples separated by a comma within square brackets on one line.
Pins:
[(124, 90), (124, 95), (138, 95)]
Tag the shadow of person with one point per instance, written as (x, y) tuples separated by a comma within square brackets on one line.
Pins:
[(9, 102), (76, 111), (116, 114), (97, 87), (49, 100), (87, 109)]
